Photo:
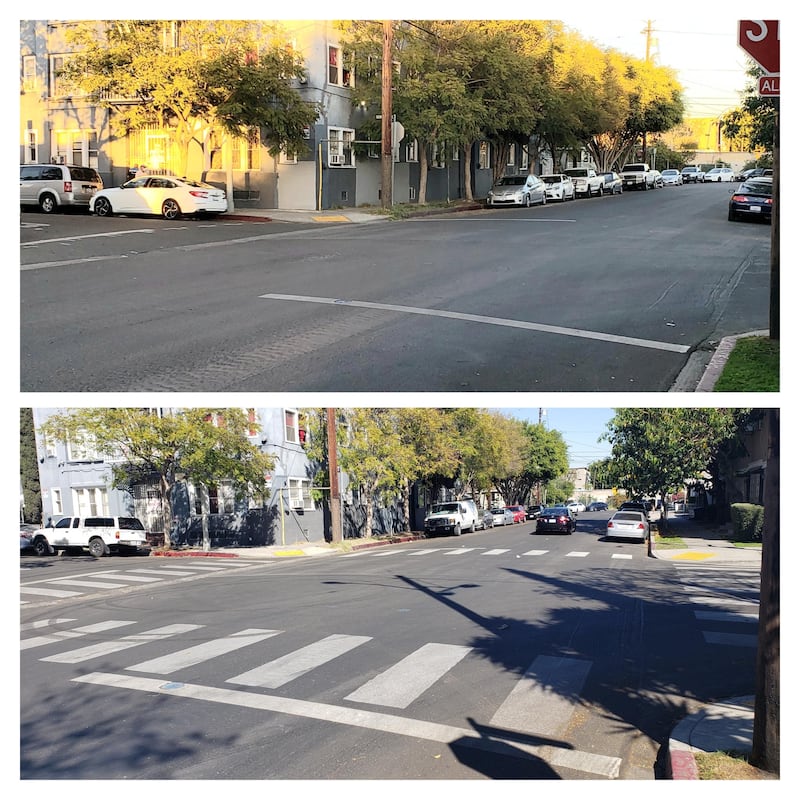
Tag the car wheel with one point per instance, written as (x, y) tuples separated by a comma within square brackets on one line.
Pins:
[(457, 530), (544, 199), (170, 209), (527, 201), (102, 207), (97, 547), (48, 203), (731, 216), (41, 547)]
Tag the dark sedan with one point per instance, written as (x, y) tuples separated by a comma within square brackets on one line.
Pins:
[(556, 519), (597, 506), (752, 199)]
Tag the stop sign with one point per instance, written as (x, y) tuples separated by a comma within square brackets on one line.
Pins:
[(760, 39)]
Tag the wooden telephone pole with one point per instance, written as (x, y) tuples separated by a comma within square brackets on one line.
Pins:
[(333, 469), (387, 155)]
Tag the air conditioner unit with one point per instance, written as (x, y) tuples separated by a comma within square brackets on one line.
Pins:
[(336, 160)]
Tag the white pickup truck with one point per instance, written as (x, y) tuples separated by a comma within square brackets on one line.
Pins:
[(637, 176), (586, 181), (99, 535), (453, 517)]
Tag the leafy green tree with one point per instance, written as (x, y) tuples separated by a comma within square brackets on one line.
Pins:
[(188, 75), (655, 450), (754, 121), (29, 468), (204, 445)]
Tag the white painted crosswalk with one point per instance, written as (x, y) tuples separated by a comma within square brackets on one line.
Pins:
[(721, 599), (72, 586), (542, 701)]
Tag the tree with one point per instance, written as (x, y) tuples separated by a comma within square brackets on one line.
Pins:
[(187, 75), (755, 120), (204, 445), (29, 469), (655, 450)]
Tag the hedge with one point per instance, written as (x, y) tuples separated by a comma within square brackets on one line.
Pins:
[(748, 522)]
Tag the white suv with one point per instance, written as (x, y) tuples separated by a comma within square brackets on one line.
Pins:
[(99, 535)]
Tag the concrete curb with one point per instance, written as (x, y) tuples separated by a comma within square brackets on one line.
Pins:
[(707, 731), (720, 358)]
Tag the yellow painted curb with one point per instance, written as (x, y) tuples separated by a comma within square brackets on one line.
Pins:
[(289, 553), (330, 219), (694, 556)]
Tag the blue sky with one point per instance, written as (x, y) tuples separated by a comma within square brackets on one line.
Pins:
[(580, 427)]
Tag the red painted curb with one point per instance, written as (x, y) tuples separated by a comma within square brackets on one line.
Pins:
[(683, 767)]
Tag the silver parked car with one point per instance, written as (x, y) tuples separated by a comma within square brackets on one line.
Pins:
[(502, 516), (517, 190), (671, 177), (559, 187), (54, 186), (612, 183)]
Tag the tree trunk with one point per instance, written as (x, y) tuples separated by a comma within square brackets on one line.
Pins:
[(766, 722), (423, 173), (166, 511), (468, 172)]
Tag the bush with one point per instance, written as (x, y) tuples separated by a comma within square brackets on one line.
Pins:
[(748, 522)]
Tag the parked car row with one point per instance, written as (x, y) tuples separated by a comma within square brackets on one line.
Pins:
[(51, 187)]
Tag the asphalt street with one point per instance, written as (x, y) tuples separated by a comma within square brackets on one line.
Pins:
[(500, 654), (607, 294)]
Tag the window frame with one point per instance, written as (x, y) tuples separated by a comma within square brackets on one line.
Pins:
[(340, 147), (299, 493)]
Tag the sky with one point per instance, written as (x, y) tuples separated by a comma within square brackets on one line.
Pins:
[(580, 428)]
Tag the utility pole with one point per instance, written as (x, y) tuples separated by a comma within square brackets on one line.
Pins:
[(333, 469), (647, 31), (387, 155)]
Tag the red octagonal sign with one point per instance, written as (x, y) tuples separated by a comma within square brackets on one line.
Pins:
[(760, 39)]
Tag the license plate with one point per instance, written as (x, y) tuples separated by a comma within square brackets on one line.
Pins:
[(757, 209), (551, 520)]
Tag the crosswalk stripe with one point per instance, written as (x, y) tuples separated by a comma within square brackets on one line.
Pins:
[(727, 616), (203, 652), (607, 766), (401, 684), (105, 648), (124, 576), (722, 601), (577, 554), (536, 552), (626, 556), (732, 639), (543, 700), (424, 552), (87, 584), (159, 572), (293, 665), (47, 592), (45, 623), (60, 636), (460, 551), (495, 552)]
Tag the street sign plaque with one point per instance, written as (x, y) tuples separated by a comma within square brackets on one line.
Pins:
[(769, 86), (760, 39)]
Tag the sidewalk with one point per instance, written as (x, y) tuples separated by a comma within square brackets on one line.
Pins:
[(726, 726)]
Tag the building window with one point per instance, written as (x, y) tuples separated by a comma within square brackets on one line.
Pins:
[(285, 158), (524, 164), (57, 502), (340, 153), (32, 147), (220, 498), (340, 72), (90, 502), (412, 151), (76, 147), (246, 151), (300, 493), (291, 426), (484, 154), (512, 155), (438, 156), (85, 450), (28, 73)]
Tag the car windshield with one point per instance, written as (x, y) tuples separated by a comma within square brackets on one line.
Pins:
[(130, 524), (513, 180), (445, 507), (578, 173), (634, 168), (670, 172), (628, 516), (552, 178), (554, 510)]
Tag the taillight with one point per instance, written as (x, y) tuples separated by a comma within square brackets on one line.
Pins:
[(116, 535), (641, 526), (196, 193), (610, 524), (562, 519), (67, 186)]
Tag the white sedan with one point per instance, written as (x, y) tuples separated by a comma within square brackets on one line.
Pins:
[(628, 525), (720, 174), (559, 187), (165, 195)]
